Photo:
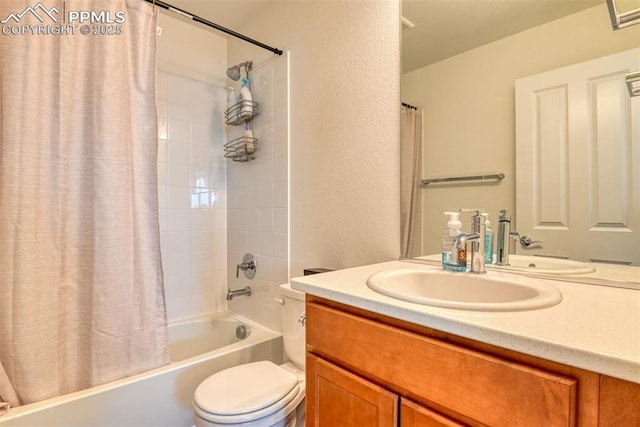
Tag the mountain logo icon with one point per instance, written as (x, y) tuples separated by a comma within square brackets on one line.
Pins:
[(39, 11)]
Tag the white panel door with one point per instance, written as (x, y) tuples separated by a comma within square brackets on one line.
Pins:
[(578, 161)]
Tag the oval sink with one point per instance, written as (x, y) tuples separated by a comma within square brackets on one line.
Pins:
[(487, 292), (543, 265)]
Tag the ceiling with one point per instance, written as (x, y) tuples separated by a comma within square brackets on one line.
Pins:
[(444, 28)]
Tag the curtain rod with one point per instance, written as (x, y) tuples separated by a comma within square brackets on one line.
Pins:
[(213, 25), (404, 104)]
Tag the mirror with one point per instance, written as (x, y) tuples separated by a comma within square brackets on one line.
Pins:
[(460, 63)]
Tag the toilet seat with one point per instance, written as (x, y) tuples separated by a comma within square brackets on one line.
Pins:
[(245, 393)]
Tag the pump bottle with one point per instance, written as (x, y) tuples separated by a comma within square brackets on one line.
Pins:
[(456, 262)]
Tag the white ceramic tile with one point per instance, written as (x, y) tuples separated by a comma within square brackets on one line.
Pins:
[(161, 84), (280, 169), (174, 286), (219, 260), (190, 306), (237, 241), (174, 242), (199, 220), (201, 198), (280, 273), (199, 241), (265, 268), (177, 152), (163, 220), (178, 88), (178, 175), (201, 133), (280, 195), (266, 220), (218, 221), (161, 170), (162, 151), (178, 130), (175, 264), (161, 108), (264, 195), (177, 219), (163, 127), (280, 246), (267, 244), (200, 262), (253, 219), (280, 220), (238, 220), (219, 200), (280, 143), (178, 197)]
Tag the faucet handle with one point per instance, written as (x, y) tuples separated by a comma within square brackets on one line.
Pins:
[(474, 211), (526, 241)]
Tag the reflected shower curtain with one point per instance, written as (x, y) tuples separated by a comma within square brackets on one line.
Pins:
[(411, 180), (81, 290)]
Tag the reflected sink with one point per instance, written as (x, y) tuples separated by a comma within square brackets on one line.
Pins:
[(493, 291), (544, 265)]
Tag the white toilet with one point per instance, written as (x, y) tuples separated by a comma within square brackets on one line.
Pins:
[(260, 394)]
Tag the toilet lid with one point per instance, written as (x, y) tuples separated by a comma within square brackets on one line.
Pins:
[(245, 388)]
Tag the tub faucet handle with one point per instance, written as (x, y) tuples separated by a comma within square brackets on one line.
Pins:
[(248, 266)]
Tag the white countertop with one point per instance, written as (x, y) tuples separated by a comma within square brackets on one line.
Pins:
[(594, 327)]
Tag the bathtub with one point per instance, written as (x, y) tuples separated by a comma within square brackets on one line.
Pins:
[(160, 397)]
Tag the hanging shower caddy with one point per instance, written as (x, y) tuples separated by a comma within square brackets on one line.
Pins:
[(241, 149)]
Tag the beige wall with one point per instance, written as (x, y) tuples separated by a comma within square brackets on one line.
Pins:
[(344, 126), (469, 117)]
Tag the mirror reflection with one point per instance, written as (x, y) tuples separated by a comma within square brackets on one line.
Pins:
[(462, 61)]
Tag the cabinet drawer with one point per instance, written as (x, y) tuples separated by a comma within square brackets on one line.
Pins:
[(467, 384)]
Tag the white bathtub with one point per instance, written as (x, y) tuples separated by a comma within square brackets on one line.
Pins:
[(161, 397)]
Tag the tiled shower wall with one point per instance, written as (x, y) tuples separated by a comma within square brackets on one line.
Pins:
[(192, 194), (258, 198)]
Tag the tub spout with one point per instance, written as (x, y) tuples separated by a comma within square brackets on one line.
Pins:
[(238, 292)]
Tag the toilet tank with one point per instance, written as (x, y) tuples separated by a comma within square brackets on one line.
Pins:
[(293, 332)]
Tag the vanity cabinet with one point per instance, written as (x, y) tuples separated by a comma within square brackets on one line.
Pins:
[(365, 369)]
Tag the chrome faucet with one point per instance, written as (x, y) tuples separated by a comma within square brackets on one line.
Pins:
[(476, 238), (238, 292), (505, 235), (503, 239)]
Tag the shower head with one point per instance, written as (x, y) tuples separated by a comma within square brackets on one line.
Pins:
[(234, 72)]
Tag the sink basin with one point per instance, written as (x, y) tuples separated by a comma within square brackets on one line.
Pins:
[(493, 291), (543, 265)]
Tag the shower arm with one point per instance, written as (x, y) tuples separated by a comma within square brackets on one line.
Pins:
[(213, 25)]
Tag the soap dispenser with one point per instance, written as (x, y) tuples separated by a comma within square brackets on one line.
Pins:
[(457, 261)]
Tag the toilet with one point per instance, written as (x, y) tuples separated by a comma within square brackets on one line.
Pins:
[(260, 394)]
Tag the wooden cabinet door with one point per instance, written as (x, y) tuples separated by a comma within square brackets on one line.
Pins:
[(619, 403), (415, 415), (336, 397)]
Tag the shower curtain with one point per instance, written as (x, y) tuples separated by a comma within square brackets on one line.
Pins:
[(410, 182), (81, 290)]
